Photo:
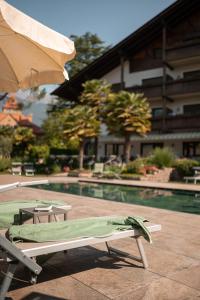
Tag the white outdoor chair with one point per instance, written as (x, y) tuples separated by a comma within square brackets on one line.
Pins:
[(29, 169), (16, 168), (98, 169)]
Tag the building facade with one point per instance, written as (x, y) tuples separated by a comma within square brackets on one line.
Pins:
[(162, 61), (12, 116)]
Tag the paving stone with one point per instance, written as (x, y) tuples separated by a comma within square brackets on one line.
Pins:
[(64, 288), (89, 273), (162, 289), (189, 276)]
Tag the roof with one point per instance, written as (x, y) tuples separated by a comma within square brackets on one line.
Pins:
[(21, 120), (26, 123), (11, 104), (154, 137), (172, 15)]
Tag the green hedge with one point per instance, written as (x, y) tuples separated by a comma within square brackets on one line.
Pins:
[(134, 167), (184, 166), (5, 163), (162, 157), (130, 176)]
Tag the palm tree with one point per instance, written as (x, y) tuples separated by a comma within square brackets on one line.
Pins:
[(127, 113), (95, 92), (81, 123)]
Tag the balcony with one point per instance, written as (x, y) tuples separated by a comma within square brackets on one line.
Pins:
[(179, 123), (175, 88), (183, 54)]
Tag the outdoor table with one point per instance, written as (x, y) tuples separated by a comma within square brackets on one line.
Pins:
[(36, 214)]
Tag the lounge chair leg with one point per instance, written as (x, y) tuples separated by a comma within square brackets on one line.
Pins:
[(142, 259), (108, 248), (142, 253), (7, 280)]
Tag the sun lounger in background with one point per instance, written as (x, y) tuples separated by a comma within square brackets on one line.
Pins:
[(21, 252), (16, 168), (28, 169), (98, 169), (194, 179)]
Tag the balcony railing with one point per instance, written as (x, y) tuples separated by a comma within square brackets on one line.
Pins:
[(184, 52), (177, 123), (173, 88)]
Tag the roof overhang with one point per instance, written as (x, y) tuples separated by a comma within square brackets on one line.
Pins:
[(153, 137), (171, 16)]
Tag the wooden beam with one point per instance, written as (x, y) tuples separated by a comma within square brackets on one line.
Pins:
[(169, 98), (168, 65)]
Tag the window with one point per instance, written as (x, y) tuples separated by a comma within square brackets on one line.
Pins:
[(193, 109), (191, 149), (114, 149), (147, 148), (157, 112), (192, 74), (157, 53)]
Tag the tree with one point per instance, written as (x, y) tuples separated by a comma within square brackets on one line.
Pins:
[(127, 113), (88, 48), (81, 123), (22, 138), (53, 128), (95, 92), (6, 131), (6, 141), (5, 146)]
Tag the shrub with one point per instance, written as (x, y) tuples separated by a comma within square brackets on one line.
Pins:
[(5, 146), (5, 163), (55, 168), (109, 175), (113, 169), (37, 152), (130, 176), (184, 166), (73, 173), (134, 167), (42, 169), (162, 157)]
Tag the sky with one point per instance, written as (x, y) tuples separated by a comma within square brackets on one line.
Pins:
[(111, 20)]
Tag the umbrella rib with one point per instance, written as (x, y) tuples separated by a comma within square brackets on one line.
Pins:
[(10, 66), (38, 46)]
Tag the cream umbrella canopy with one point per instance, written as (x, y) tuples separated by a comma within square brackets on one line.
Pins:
[(31, 54)]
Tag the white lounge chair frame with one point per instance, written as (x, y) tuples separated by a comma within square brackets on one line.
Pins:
[(32, 250), (98, 169), (192, 178), (29, 169), (10, 186), (16, 168)]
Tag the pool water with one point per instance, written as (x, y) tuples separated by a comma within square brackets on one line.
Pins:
[(182, 201)]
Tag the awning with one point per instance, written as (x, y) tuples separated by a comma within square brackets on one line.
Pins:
[(153, 137)]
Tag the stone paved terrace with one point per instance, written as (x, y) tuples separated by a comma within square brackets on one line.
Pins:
[(88, 273)]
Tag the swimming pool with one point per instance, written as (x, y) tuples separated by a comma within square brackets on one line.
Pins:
[(183, 201)]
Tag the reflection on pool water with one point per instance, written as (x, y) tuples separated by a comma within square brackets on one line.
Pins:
[(183, 201)]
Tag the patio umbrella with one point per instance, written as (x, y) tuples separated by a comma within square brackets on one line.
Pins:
[(31, 54)]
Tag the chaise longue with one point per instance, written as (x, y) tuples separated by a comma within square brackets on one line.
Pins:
[(26, 252)]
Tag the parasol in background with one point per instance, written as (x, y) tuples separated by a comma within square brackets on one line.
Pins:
[(31, 54)]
